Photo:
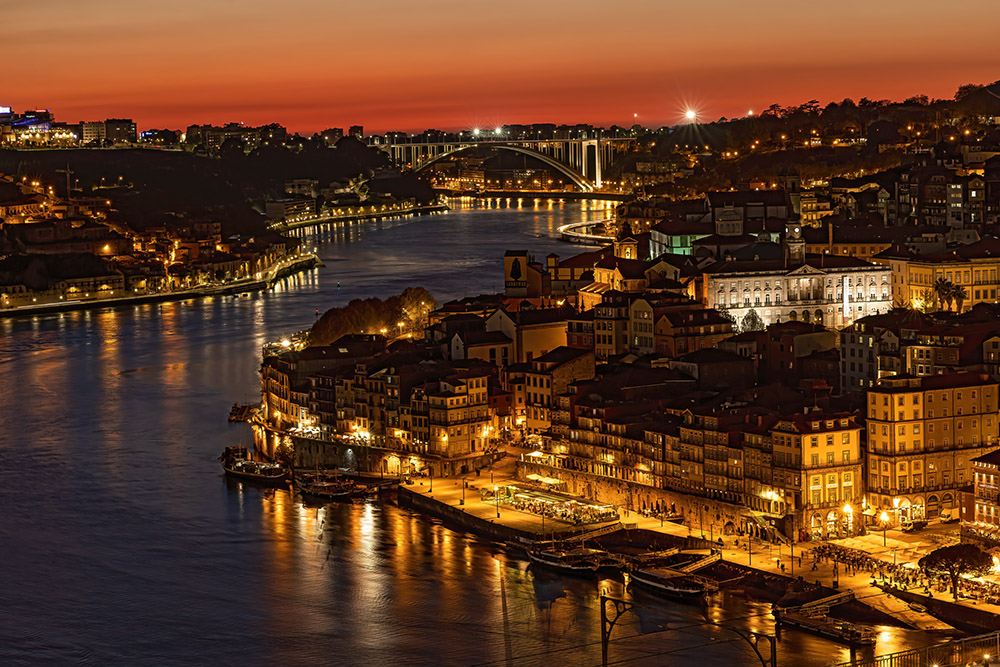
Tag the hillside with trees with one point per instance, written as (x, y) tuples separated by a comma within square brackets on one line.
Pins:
[(394, 316)]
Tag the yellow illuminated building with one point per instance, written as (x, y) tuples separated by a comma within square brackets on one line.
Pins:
[(922, 436), (975, 268)]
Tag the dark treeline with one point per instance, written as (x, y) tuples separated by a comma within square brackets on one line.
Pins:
[(374, 316)]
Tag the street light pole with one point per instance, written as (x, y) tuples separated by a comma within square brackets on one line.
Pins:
[(885, 524), (496, 497)]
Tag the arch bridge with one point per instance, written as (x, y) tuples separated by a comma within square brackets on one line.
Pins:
[(580, 160)]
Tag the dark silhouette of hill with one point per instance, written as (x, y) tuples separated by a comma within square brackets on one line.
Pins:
[(41, 272), (264, 171), (404, 186), (153, 187), (157, 186)]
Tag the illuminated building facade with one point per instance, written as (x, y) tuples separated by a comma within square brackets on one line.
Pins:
[(923, 434)]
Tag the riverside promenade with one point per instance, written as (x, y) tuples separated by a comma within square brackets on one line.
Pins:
[(459, 500), (364, 213), (281, 269), (444, 497)]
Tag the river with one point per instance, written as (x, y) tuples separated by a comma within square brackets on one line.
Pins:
[(121, 543)]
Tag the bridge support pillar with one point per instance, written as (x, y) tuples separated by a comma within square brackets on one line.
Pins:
[(597, 164)]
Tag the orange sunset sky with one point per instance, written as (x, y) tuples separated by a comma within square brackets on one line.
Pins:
[(451, 64)]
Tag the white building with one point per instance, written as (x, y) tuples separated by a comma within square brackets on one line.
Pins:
[(830, 290)]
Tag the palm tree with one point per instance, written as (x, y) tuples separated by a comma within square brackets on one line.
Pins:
[(959, 294), (943, 289)]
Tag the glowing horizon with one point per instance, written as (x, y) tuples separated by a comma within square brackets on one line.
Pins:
[(390, 65)]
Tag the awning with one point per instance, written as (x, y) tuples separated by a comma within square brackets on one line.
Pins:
[(869, 511), (543, 480)]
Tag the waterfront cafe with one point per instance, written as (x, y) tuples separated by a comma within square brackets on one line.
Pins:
[(550, 504)]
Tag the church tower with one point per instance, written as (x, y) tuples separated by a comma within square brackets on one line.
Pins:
[(795, 245), (626, 246)]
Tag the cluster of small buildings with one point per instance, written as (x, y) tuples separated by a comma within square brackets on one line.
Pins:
[(38, 127), (58, 251), (306, 200)]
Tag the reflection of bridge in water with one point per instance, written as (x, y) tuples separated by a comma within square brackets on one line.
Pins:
[(580, 160)]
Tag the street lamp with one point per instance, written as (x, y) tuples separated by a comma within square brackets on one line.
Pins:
[(885, 522), (496, 497)]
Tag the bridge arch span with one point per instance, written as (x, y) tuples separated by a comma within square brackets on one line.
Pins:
[(579, 179)]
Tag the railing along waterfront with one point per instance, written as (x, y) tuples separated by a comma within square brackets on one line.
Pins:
[(569, 232), (950, 654)]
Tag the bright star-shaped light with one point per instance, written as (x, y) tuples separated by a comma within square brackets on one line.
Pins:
[(690, 114)]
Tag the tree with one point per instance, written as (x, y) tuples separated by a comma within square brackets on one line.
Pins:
[(724, 311), (375, 316), (959, 294), (966, 90), (752, 322), (955, 561), (775, 110), (923, 301), (810, 107), (944, 290), (284, 453)]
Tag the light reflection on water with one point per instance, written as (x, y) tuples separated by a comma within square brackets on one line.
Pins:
[(121, 543)]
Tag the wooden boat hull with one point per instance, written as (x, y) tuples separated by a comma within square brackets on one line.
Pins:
[(664, 588), (331, 495), (577, 569), (263, 480)]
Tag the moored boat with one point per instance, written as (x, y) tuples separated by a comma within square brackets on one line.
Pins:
[(669, 584), (574, 561), (237, 463), (824, 626), (327, 486)]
